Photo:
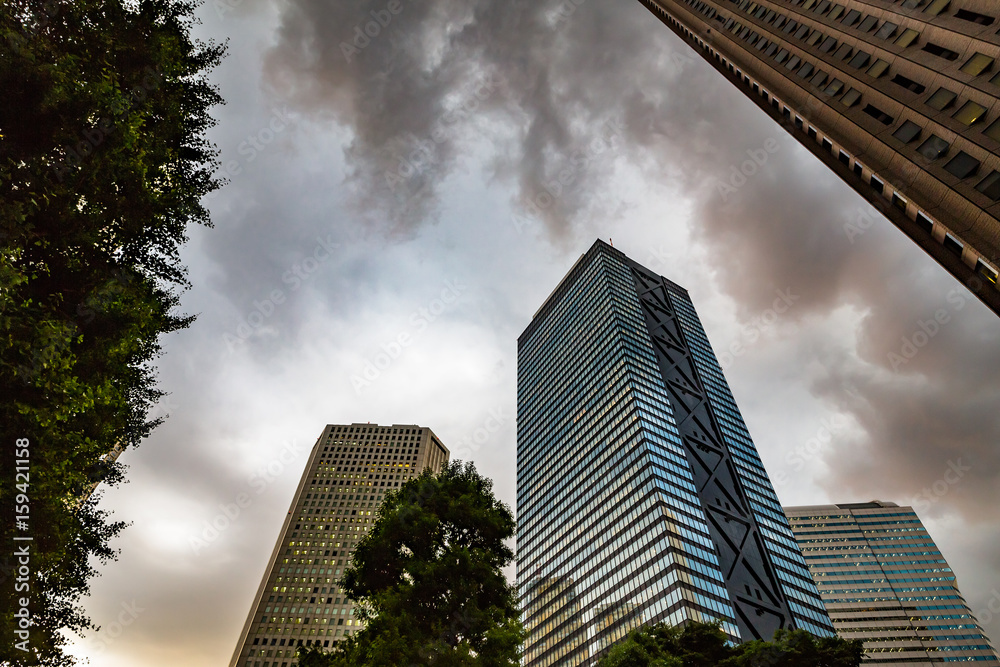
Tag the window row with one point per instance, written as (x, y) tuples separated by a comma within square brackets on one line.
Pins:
[(867, 23), (934, 148), (977, 65)]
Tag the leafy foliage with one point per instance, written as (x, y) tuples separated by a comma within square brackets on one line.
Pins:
[(705, 645), (428, 579), (103, 164)]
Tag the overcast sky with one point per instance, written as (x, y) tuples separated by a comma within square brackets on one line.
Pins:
[(368, 176)]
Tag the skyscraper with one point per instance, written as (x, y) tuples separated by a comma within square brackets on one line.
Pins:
[(898, 97), (884, 581), (350, 469), (638, 486)]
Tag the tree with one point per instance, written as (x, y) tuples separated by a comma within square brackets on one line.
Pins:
[(103, 165), (428, 579), (798, 648), (705, 645)]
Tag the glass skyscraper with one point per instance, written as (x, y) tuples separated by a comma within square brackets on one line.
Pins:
[(641, 497), (884, 581)]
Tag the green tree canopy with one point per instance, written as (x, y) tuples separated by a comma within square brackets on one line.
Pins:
[(103, 165), (705, 645), (428, 579)]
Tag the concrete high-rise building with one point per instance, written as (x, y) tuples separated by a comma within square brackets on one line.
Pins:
[(637, 482), (898, 97), (350, 469), (884, 581)]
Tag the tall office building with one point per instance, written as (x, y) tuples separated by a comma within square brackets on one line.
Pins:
[(898, 97), (639, 489), (350, 469), (884, 581)]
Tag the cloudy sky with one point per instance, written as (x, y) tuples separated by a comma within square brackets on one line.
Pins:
[(369, 175)]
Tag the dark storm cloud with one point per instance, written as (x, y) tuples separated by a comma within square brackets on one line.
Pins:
[(568, 74), (533, 79), (578, 86), (925, 392)]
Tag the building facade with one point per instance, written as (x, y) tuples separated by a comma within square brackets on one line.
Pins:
[(901, 98), (640, 495), (350, 469), (884, 581)]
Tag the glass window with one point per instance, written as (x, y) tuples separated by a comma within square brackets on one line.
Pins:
[(851, 98), (993, 131), (970, 113), (974, 17), (985, 271), (934, 147), (828, 45), (851, 18), (925, 223), (805, 71), (940, 51), (887, 30), (814, 38), (907, 132), (962, 165), (990, 186), (834, 87), (909, 84), (878, 68), (937, 6), (942, 99), (907, 37), (977, 64), (818, 79), (860, 59), (952, 244), (868, 24), (781, 56), (836, 12), (844, 52), (879, 115), (793, 62)]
